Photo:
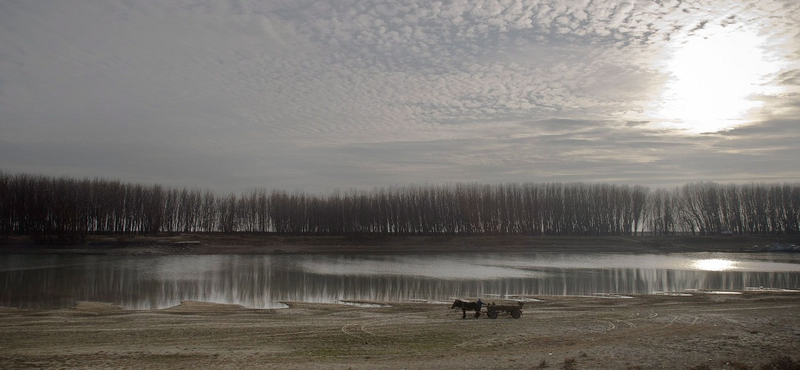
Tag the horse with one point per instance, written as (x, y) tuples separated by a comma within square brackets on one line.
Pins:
[(468, 306)]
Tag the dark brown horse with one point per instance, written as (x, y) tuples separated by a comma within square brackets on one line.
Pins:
[(468, 306)]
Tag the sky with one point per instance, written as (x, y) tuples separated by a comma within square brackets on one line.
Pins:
[(315, 96)]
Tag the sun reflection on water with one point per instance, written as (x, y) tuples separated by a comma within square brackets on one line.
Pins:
[(714, 264)]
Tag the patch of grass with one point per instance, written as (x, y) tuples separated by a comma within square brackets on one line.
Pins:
[(543, 364), (781, 363), (569, 364), (734, 365), (777, 363)]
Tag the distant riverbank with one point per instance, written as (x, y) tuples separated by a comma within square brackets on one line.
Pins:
[(251, 243)]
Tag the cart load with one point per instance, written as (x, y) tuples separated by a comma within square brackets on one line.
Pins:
[(493, 310)]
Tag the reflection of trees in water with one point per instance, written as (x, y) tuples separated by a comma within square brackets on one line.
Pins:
[(263, 281)]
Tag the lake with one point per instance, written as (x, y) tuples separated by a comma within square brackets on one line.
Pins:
[(151, 282)]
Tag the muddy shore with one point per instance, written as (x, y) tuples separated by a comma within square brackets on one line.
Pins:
[(640, 332)]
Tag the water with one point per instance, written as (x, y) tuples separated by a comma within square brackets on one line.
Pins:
[(149, 282)]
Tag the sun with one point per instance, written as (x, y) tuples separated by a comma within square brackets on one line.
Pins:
[(714, 81)]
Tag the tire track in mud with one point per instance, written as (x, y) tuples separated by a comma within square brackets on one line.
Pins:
[(347, 331), (613, 323), (693, 318), (717, 315), (643, 325), (371, 326), (640, 322)]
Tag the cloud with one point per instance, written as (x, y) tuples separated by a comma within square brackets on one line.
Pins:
[(357, 93)]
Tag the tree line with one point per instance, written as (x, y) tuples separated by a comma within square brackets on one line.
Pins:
[(63, 208)]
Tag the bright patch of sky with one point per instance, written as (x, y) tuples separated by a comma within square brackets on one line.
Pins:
[(716, 81), (319, 95)]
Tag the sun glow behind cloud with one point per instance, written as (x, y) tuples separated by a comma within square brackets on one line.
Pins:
[(715, 79)]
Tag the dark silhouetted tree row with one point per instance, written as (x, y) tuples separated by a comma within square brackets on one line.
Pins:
[(69, 209), (710, 208)]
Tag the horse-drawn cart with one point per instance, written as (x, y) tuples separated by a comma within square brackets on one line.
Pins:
[(492, 310)]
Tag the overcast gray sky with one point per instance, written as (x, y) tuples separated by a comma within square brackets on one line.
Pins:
[(320, 95)]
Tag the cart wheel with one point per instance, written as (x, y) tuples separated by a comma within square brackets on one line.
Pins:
[(492, 314), (516, 314)]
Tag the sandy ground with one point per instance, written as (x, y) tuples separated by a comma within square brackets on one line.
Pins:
[(642, 332)]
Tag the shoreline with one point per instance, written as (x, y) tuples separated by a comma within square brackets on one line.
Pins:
[(625, 332), (267, 244)]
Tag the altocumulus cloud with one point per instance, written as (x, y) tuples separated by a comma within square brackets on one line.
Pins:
[(317, 95)]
